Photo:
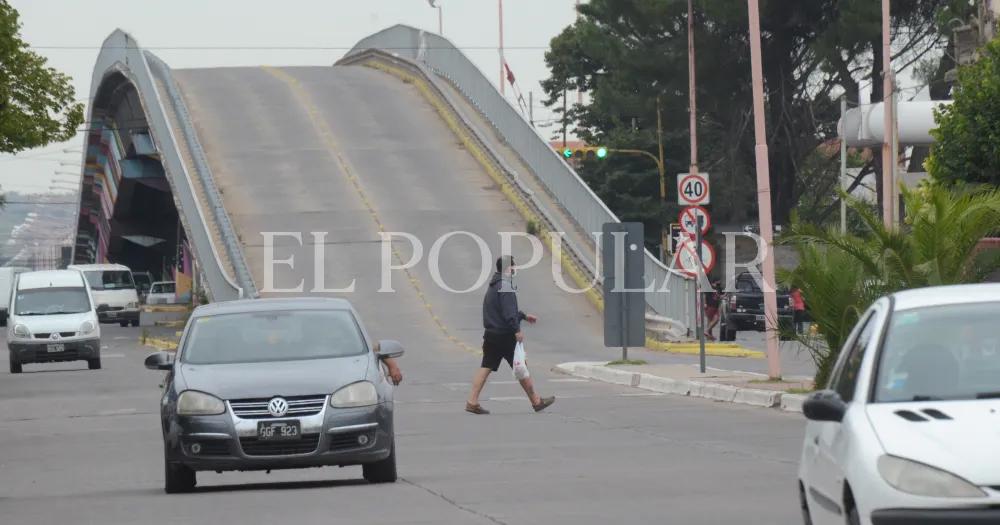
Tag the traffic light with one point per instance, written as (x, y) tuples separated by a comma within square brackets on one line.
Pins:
[(585, 152)]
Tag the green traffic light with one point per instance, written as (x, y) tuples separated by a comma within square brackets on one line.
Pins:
[(602, 152), (568, 153)]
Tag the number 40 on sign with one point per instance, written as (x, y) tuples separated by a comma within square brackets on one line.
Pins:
[(692, 189)]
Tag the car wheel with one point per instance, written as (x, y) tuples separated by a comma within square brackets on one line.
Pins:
[(806, 517), (135, 322), (15, 367), (381, 471), (94, 364), (725, 334), (178, 478)]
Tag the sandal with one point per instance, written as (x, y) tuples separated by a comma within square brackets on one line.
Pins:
[(476, 409), (546, 401)]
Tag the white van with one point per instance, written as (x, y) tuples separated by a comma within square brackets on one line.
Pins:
[(52, 318), (114, 292), (7, 274)]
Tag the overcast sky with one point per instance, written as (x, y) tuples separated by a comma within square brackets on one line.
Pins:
[(69, 33)]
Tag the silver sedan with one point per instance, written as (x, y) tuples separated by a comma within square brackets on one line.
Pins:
[(274, 384)]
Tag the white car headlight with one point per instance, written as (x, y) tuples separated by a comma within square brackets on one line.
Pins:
[(355, 395), (21, 331), (132, 305), (87, 327), (924, 480), (194, 403)]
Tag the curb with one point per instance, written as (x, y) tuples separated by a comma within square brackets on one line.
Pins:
[(712, 349), (597, 371), (159, 344)]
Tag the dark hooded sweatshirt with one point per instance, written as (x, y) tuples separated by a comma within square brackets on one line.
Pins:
[(500, 313)]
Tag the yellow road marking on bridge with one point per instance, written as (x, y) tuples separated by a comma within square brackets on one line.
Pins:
[(334, 149)]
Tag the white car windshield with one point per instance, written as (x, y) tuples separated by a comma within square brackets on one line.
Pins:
[(272, 336), (109, 279), (941, 353), (51, 301)]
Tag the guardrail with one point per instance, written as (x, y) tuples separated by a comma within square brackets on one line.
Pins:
[(580, 202), (204, 171), (121, 53)]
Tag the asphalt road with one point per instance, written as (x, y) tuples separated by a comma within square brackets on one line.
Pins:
[(351, 151), (80, 446)]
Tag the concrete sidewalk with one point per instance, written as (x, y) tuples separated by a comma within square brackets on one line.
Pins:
[(730, 386)]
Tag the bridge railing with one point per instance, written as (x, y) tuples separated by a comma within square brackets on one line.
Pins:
[(122, 54), (572, 193)]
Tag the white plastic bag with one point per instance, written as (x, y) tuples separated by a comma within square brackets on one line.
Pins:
[(520, 366)]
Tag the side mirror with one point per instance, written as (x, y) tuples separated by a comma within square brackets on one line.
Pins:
[(825, 405), (389, 349), (160, 361)]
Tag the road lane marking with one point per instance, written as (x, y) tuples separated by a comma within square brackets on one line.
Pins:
[(334, 149)]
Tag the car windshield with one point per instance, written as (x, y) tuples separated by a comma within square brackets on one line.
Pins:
[(272, 336), (941, 353), (109, 279), (48, 301), (163, 288)]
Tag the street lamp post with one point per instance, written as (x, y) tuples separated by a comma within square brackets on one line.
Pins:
[(500, 10), (433, 4), (888, 160), (764, 195)]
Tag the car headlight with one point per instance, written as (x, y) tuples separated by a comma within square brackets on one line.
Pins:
[(355, 395), (924, 480), (133, 304), (87, 327), (21, 331), (194, 403)]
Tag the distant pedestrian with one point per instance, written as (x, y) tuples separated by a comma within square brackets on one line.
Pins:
[(713, 298), (502, 331), (798, 309)]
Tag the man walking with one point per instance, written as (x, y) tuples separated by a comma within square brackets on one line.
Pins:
[(502, 325)]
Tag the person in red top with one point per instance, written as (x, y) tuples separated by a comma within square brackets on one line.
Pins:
[(798, 308)]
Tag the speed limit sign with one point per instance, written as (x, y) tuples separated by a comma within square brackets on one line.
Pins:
[(692, 189)]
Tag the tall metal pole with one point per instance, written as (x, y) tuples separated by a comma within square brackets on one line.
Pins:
[(440, 22), (531, 108), (764, 194), (500, 6), (692, 100), (888, 163), (579, 94), (700, 299), (664, 229), (843, 164)]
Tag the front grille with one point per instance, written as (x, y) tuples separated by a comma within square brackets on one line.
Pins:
[(66, 355), (106, 308), (349, 440), (44, 335), (255, 447), (298, 406), (208, 447)]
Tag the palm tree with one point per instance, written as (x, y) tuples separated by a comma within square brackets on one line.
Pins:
[(840, 275)]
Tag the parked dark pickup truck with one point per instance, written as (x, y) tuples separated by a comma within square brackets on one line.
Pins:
[(743, 309)]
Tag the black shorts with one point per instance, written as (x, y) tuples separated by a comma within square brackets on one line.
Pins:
[(496, 348)]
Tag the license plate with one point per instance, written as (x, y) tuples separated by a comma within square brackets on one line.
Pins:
[(758, 317), (278, 430), (55, 348), (112, 314)]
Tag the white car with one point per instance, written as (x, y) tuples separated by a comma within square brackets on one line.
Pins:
[(162, 292), (52, 318), (909, 428), (114, 292)]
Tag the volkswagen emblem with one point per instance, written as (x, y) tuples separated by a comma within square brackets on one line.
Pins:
[(54, 336), (277, 407)]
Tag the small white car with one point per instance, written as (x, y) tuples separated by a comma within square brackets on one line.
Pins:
[(52, 318), (909, 427), (114, 292), (162, 292)]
